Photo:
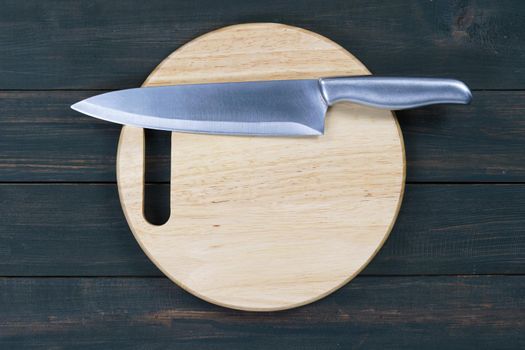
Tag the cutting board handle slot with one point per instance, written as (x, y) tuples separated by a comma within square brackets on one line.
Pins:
[(131, 162), (156, 176)]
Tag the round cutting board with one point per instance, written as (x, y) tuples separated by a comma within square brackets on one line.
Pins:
[(264, 223)]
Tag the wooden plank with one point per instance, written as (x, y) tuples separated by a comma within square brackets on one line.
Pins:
[(482, 312), (456, 229), (106, 44), (43, 140), (49, 230), (79, 230), (481, 142)]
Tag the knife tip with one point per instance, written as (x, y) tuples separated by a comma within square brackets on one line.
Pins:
[(80, 106), (74, 106)]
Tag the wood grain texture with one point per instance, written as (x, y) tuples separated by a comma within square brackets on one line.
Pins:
[(481, 142), (107, 44), (261, 223), (79, 230), (372, 313)]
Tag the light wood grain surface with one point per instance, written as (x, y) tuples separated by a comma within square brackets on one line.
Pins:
[(268, 223)]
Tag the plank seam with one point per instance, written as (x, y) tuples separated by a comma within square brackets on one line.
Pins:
[(4, 183), (164, 277)]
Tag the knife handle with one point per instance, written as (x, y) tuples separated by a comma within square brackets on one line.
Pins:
[(394, 93)]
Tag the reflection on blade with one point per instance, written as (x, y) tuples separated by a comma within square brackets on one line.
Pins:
[(271, 108)]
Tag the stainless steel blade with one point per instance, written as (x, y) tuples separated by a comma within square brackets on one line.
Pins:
[(273, 108)]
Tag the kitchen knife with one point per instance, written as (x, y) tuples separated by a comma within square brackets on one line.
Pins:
[(264, 108)]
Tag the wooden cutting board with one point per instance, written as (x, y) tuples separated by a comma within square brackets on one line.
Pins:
[(261, 223)]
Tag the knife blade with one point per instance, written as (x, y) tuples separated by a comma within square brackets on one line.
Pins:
[(264, 108)]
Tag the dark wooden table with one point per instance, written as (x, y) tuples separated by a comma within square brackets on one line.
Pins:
[(451, 275)]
